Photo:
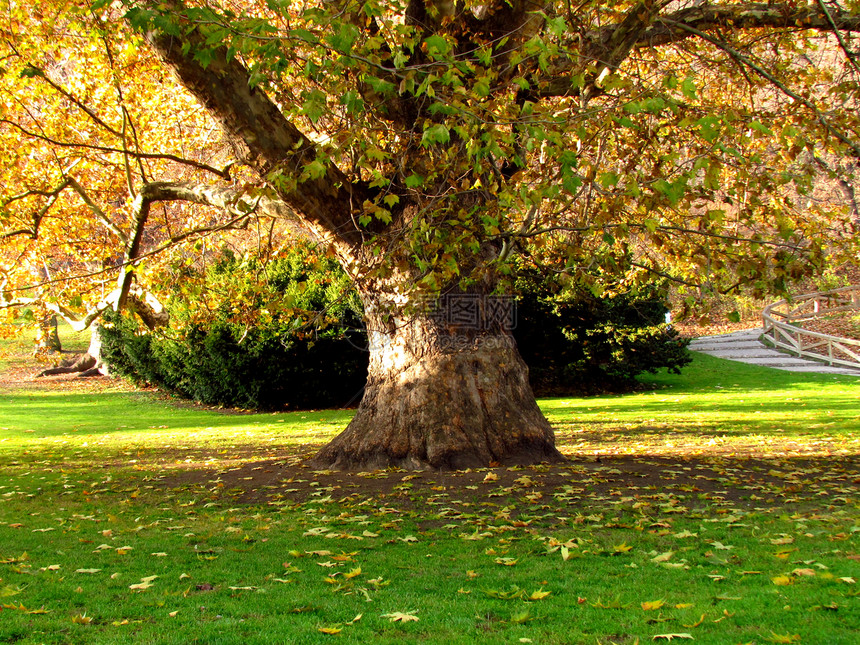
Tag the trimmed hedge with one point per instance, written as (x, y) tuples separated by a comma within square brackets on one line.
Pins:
[(287, 362)]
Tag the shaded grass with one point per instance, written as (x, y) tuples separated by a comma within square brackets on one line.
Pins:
[(726, 498)]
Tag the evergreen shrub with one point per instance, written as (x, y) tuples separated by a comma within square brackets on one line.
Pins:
[(576, 342), (284, 335)]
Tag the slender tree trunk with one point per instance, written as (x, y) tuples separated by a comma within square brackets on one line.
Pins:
[(446, 389)]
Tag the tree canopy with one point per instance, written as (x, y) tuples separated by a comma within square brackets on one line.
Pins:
[(429, 143)]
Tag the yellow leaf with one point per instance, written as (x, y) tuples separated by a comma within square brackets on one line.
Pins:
[(402, 617), (622, 548), (82, 619), (683, 605), (697, 623), (508, 562), (783, 638), (87, 570), (670, 637), (330, 630), (782, 581), (140, 586), (653, 604), (540, 594), (782, 541), (352, 574)]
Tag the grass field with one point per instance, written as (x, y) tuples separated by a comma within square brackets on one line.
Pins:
[(719, 507)]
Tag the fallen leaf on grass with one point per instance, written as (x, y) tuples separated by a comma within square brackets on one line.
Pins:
[(145, 583), (540, 594), (9, 590), (651, 605), (697, 623), (782, 541), (87, 570), (783, 638), (330, 630), (401, 617), (670, 637), (803, 572), (508, 562), (21, 607), (82, 619), (782, 581)]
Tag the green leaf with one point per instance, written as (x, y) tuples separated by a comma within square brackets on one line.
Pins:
[(556, 26), (437, 46), (353, 102), (414, 181), (689, 89), (30, 71), (709, 128), (758, 126), (204, 57), (314, 170), (314, 105), (345, 37), (435, 134)]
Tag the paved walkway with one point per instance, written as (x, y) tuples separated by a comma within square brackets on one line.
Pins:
[(745, 346)]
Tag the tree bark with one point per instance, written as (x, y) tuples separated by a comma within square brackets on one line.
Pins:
[(446, 390), (84, 365)]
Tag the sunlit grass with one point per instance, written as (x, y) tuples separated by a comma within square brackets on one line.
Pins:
[(724, 506)]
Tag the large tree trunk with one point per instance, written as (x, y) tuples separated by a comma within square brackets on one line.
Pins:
[(444, 390)]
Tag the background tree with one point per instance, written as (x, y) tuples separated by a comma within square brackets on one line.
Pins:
[(428, 142)]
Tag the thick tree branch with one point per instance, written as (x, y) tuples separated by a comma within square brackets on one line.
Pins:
[(642, 27), (675, 26), (266, 140)]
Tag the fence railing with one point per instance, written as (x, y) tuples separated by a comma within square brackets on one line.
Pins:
[(781, 330)]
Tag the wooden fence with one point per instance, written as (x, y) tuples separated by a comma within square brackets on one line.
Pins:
[(781, 328)]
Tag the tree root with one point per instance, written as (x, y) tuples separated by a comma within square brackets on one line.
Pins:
[(84, 365)]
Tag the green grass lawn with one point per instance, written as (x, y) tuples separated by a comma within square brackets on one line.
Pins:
[(719, 507)]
